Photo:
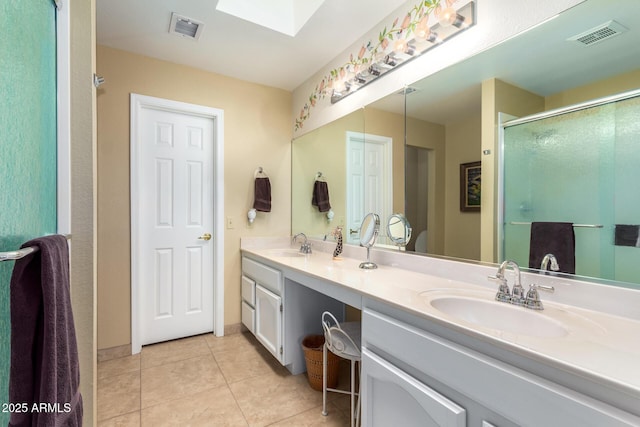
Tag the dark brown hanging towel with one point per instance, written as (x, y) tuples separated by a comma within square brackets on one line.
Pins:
[(44, 356), (320, 196), (262, 195), (555, 238)]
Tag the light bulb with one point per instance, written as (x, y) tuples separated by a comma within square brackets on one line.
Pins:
[(422, 30), (400, 45), (448, 16)]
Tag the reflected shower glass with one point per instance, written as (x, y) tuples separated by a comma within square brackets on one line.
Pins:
[(579, 167)]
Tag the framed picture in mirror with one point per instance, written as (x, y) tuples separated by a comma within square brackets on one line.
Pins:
[(470, 186)]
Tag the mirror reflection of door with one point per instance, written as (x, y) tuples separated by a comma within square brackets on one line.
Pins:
[(369, 180)]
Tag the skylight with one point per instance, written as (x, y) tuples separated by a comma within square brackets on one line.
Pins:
[(283, 16)]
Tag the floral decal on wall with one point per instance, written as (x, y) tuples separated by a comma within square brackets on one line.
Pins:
[(377, 56)]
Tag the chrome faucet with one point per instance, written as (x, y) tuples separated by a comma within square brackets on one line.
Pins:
[(533, 298), (545, 263), (517, 297), (504, 294), (306, 246)]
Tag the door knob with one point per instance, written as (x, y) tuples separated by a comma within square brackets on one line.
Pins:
[(205, 236), (352, 231)]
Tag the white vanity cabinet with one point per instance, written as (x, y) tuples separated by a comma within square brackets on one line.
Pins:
[(262, 289), (280, 312), (416, 377)]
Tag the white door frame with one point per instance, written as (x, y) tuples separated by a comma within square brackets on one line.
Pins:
[(63, 105), (138, 102), (387, 143)]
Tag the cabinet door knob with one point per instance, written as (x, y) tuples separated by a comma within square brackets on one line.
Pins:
[(205, 236)]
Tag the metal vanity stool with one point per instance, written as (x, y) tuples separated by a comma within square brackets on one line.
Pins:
[(343, 341)]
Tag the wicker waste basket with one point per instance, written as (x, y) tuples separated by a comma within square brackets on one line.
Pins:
[(312, 346)]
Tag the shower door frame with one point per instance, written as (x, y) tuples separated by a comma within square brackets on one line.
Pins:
[(532, 118), (63, 117)]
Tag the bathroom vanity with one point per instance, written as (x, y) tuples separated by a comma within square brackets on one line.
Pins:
[(438, 350)]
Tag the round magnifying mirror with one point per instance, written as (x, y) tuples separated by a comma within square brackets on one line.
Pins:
[(368, 233), (399, 229)]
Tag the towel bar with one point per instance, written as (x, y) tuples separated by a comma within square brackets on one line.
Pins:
[(574, 225), (21, 253)]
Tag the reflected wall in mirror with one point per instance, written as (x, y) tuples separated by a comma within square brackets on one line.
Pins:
[(452, 118), (323, 150)]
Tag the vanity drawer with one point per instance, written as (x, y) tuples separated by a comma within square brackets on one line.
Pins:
[(268, 277), (249, 317), (249, 291)]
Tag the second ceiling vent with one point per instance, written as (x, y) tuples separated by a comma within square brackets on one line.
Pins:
[(598, 34), (185, 27)]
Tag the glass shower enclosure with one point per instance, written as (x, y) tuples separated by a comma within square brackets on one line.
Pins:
[(579, 165)]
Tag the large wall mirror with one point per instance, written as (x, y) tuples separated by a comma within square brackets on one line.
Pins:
[(437, 126)]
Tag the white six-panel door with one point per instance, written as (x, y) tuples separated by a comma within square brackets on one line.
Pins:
[(369, 180), (175, 217)]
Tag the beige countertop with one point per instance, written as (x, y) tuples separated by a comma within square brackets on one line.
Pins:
[(591, 343)]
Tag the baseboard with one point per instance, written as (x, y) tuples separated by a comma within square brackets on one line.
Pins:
[(114, 352), (236, 328), (125, 350)]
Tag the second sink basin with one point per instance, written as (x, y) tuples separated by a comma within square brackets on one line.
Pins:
[(287, 253), (497, 315)]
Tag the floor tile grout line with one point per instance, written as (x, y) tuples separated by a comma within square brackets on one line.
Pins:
[(174, 361)]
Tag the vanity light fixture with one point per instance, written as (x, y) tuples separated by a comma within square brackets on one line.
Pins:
[(403, 42)]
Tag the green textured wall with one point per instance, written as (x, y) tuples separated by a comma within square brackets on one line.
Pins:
[(27, 141)]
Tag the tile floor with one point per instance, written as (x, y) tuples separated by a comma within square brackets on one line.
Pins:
[(210, 381)]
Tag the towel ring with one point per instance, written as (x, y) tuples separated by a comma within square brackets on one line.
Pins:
[(320, 177), (259, 173)]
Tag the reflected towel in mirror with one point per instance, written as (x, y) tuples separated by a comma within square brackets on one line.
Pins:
[(321, 196), (627, 235), (555, 238)]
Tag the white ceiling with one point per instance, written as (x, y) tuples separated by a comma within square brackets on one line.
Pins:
[(235, 47), (540, 60)]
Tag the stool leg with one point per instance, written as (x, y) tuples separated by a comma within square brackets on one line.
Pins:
[(359, 395), (324, 380), (353, 391)]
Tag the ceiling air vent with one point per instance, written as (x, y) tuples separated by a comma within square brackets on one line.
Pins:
[(185, 27), (599, 33)]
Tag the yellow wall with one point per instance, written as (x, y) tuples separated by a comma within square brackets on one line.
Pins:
[(618, 84), (382, 123), (497, 97), (322, 150), (83, 151), (257, 132), (462, 229)]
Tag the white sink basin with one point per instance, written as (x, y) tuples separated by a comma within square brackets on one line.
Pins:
[(287, 253), (499, 316)]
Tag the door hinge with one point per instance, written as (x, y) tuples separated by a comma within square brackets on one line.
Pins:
[(280, 349), (280, 308)]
